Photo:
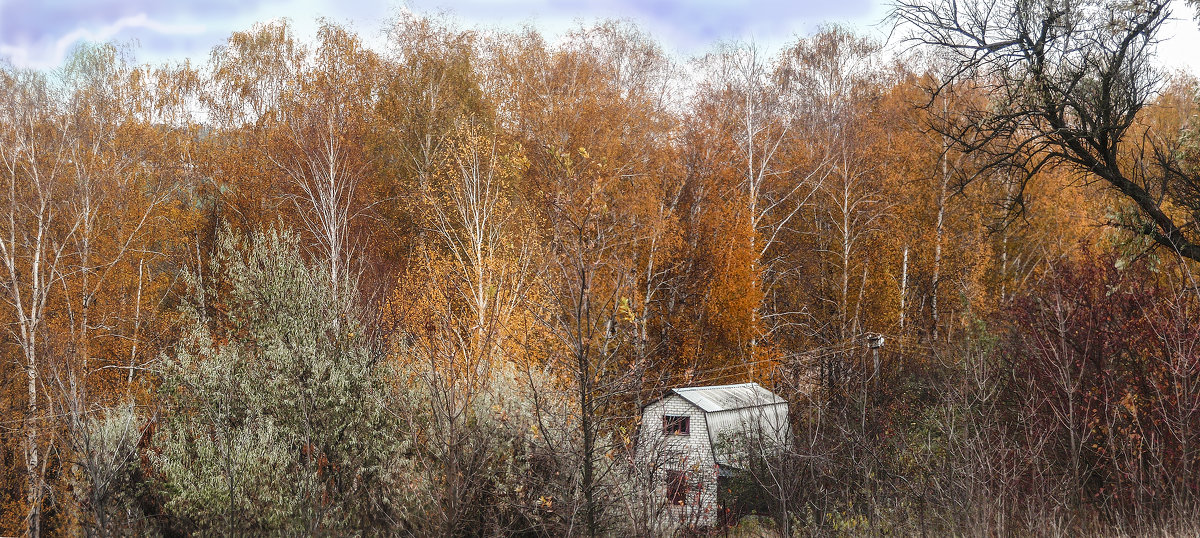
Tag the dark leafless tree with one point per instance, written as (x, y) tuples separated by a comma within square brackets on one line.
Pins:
[(1068, 79)]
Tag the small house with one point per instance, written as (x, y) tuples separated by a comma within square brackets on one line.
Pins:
[(689, 439)]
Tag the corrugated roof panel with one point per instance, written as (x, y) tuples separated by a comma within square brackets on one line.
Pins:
[(726, 397), (727, 430)]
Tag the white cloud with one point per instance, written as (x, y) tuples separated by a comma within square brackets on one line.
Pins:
[(48, 55)]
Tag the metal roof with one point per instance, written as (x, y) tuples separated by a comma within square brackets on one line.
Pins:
[(727, 397)]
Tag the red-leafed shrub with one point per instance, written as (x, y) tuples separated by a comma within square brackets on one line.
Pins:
[(1104, 384)]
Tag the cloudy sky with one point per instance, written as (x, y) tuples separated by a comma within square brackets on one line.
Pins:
[(39, 33)]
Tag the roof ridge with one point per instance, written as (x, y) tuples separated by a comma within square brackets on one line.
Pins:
[(716, 386)]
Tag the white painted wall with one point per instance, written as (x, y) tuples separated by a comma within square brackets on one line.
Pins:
[(692, 453)]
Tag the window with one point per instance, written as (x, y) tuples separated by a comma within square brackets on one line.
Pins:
[(677, 487), (676, 425)]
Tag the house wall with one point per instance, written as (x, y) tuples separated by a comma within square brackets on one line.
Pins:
[(691, 453)]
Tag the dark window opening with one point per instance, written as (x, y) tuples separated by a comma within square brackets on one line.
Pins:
[(673, 425), (677, 487)]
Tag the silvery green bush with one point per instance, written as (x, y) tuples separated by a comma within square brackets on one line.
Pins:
[(279, 417)]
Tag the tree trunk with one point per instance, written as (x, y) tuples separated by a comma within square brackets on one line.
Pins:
[(939, 235), (32, 459), (589, 494), (903, 286)]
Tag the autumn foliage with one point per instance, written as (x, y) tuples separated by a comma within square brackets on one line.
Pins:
[(428, 288)]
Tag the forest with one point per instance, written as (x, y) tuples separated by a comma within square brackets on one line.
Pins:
[(314, 287)]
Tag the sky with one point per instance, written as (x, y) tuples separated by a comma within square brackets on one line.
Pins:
[(40, 33)]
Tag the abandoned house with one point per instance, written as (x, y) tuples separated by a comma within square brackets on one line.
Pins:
[(692, 439)]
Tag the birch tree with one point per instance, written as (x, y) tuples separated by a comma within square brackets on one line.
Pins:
[(759, 119), (836, 74), (128, 127), (593, 190), (35, 236), (455, 308), (321, 143)]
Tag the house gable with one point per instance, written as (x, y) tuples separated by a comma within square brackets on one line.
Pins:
[(709, 413)]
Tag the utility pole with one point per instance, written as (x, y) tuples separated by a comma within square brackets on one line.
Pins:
[(875, 341)]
